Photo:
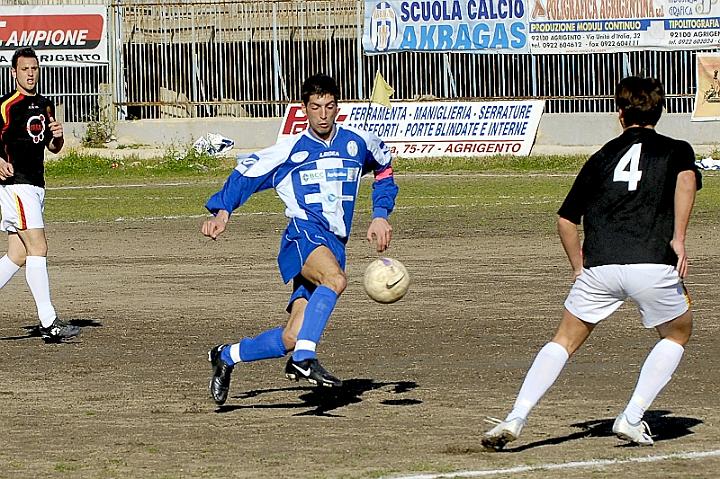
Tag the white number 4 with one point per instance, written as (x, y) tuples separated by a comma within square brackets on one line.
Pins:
[(632, 175)]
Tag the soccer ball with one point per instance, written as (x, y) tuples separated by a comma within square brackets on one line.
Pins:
[(386, 280)]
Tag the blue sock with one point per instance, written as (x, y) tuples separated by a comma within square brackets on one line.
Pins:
[(266, 345), (317, 312)]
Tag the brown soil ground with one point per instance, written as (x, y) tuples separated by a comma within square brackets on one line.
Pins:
[(129, 398)]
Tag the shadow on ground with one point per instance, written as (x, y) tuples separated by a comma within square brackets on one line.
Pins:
[(663, 427), (33, 331), (321, 401)]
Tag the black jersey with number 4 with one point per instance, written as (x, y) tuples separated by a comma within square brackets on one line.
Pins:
[(24, 134), (625, 195)]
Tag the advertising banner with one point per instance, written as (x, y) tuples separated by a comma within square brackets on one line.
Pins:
[(707, 96), (420, 129), (469, 26), (61, 35), (583, 26)]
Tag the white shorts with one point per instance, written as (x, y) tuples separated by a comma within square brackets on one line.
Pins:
[(656, 289), (22, 207)]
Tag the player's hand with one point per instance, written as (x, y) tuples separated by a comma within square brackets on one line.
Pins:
[(6, 170), (55, 128), (380, 231), (576, 273), (577, 266), (214, 226), (682, 264)]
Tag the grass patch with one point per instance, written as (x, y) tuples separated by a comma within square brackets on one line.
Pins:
[(132, 146), (86, 168), (187, 162), (498, 163), (66, 467), (198, 176)]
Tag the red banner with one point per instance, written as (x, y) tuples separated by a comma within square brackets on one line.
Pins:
[(73, 34)]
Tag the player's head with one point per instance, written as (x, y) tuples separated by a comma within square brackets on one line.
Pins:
[(25, 69), (320, 94), (640, 101), (320, 85)]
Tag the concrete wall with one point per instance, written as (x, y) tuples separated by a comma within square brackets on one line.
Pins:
[(585, 131), (557, 133)]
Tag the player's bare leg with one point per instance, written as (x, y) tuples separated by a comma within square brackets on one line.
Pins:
[(16, 249), (572, 332), (546, 368), (656, 372), (13, 260), (292, 328), (322, 269), (35, 246)]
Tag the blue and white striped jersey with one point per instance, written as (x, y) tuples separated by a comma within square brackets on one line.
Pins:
[(317, 180)]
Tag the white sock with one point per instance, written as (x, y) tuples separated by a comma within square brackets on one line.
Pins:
[(7, 270), (548, 363), (37, 278), (656, 372)]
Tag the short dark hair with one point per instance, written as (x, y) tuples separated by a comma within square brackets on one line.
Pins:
[(25, 52), (319, 84), (641, 100)]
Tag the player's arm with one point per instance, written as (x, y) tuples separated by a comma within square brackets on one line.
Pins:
[(570, 239), (56, 130), (685, 189), (236, 191), (6, 168), (570, 216), (384, 193), (253, 173)]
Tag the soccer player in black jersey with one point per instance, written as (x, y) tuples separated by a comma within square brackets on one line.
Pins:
[(27, 127), (634, 198)]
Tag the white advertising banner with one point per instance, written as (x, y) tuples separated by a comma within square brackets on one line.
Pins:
[(420, 129), (469, 26), (61, 35), (564, 26)]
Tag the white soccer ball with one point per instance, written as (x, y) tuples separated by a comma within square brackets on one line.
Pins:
[(386, 280)]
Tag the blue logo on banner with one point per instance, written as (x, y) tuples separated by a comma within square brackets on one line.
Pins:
[(383, 26)]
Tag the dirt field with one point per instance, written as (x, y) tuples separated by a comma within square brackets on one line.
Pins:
[(129, 399)]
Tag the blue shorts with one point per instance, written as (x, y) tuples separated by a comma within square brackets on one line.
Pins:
[(300, 239)]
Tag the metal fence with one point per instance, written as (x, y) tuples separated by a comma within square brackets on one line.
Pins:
[(249, 58)]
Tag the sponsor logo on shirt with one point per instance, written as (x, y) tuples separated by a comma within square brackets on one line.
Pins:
[(325, 154), (36, 128), (309, 177), (331, 174), (341, 174)]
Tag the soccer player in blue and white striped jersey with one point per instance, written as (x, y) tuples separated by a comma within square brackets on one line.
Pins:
[(316, 174)]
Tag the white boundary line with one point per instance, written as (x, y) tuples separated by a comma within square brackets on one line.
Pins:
[(597, 463)]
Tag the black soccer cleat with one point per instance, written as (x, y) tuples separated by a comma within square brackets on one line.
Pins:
[(220, 382), (312, 371), (58, 331)]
